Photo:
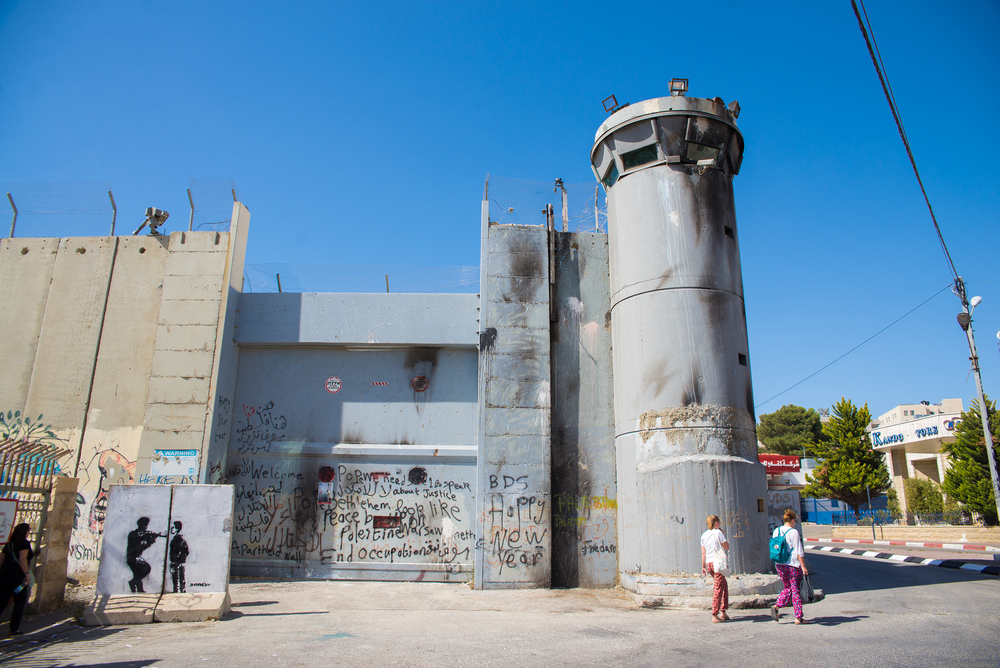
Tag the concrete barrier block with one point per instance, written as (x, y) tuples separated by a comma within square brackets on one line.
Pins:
[(192, 607), (106, 610), (171, 440), (504, 393), (201, 526), (198, 241), (502, 314), (193, 287), (176, 390), (522, 341), (517, 422), (520, 367), (189, 312), (176, 417), (133, 552), (196, 264), (185, 337)]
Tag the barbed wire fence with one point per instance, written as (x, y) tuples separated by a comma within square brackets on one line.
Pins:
[(88, 208), (306, 277), (522, 202), (75, 209), (211, 204)]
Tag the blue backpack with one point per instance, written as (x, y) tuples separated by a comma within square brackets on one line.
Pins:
[(780, 554)]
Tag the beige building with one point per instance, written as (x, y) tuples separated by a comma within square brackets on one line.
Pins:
[(911, 436)]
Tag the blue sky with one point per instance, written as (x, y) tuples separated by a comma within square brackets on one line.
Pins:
[(361, 134)]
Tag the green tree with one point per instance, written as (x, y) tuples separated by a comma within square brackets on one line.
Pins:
[(922, 496), (968, 480), (789, 429), (848, 468), (893, 504)]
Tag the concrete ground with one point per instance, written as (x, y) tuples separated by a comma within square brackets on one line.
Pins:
[(875, 613)]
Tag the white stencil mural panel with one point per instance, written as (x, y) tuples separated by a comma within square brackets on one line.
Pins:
[(166, 539), (201, 521), (136, 530)]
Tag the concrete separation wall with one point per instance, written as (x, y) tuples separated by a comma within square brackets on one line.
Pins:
[(116, 342), (515, 399), (584, 488)]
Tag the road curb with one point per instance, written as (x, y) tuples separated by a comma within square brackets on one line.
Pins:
[(901, 543), (943, 563)]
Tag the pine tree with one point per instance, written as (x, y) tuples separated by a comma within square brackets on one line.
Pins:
[(968, 480), (848, 468), (790, 429)]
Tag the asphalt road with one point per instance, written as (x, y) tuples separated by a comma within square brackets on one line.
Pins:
[(875, 613)]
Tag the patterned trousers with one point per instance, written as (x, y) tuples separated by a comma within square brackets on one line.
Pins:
[(720, 591), (791, 577)]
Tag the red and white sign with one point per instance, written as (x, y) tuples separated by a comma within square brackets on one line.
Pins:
[(780, 463), (8, 512), (333, 385)]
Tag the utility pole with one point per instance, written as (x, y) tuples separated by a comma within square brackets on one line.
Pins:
[(965, 321)]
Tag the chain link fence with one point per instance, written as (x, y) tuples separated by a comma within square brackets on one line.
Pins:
[(212, 204), (80, 209), (521, 202), (303, 277)]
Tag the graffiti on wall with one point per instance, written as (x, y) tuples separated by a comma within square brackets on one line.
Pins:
[(257, 427), (593, 517), (515, 524), (778, 501), (106, 467), (342, 513)]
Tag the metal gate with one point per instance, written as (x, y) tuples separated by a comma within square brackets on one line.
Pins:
[(26, 473)]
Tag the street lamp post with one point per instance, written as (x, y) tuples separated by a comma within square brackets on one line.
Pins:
[(965, 321)]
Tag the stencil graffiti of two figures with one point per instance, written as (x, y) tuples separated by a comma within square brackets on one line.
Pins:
[(141, 538)]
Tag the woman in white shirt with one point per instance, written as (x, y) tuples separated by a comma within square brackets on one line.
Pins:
[(791, 572), (713, 562)]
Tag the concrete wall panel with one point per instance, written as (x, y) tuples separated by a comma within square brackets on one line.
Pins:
[(71, 328), (114, 422), (584, 484), (515, 499), (25, 274)]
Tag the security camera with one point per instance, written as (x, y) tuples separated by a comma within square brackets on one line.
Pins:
[(154, 218)]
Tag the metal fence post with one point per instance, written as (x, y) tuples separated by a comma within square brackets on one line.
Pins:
[(13, 222), (114, 215), (191, 219)]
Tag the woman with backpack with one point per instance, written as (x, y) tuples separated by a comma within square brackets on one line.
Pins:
[(791, 566)]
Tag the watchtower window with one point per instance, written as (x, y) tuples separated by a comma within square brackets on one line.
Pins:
[(612, 176), (639, 157), (696, 152)]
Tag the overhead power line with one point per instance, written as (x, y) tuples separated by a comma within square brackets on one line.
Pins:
[(890, 98), (870, 338)]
